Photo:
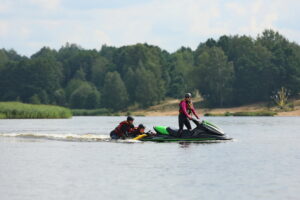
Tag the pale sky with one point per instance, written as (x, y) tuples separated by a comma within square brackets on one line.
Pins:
[(28, 25)]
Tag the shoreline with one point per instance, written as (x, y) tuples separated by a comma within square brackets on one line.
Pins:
[(170, 108), (295, 113)]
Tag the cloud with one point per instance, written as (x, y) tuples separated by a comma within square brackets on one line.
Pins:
[(3, 28), (46, 4), (170, 24)]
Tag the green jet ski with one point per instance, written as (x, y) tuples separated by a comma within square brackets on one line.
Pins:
[(204, 131)]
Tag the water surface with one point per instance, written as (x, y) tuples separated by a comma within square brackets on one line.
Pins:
[(74, 159)]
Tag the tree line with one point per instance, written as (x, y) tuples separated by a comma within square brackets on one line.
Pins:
[(229, 71)]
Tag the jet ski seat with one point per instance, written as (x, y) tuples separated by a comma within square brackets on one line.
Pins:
[(173, 131)]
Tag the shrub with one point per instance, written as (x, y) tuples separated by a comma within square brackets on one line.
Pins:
[(17, 110)]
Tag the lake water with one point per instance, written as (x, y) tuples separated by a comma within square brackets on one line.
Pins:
[(74, 159)]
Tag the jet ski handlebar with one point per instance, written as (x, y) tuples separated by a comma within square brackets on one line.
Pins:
[(196, 121)]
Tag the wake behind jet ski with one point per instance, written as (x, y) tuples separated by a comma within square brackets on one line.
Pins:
[(204, 131)]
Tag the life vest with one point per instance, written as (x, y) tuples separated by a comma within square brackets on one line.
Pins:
[(189, 106), (119, 130)]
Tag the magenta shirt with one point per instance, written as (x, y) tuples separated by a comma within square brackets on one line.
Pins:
[(183, 109)]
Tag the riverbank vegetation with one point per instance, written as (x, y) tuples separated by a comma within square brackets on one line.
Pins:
[(227, 71), (242, 114), (92, 112), (17, 110)]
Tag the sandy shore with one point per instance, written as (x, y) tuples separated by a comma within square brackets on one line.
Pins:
[(170, 108)]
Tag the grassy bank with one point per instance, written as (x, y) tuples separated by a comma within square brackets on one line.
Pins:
[(103, 112), (249, 114), (93, 112), (169, 107), (17, 110)]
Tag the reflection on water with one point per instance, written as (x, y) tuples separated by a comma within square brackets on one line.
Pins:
[(184, 144), (188, 144)]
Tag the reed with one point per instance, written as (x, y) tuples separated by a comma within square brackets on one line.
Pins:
[(92, 112), (257, 113), (17, 110), (249, 114)]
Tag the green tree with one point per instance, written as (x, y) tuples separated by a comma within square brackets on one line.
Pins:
[(92, 99), (85, 96), (3, 58), (80, 74), (99, 68), (177, 87), (73, 84), (115, 95), (60, 97), (214, 77), (147, 89), (285, 59), (35, 99), (130, 82), (44, 97), (232, 70), (30, 76), (183, 64)]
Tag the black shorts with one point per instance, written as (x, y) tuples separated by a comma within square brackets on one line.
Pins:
[(114, 135), (184, 120)]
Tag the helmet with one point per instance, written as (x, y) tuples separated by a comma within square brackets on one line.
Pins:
[(141, 126), (188, 95), (129, 118)]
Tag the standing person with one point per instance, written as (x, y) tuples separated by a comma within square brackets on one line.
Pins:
[(122, 130), (186, 109)]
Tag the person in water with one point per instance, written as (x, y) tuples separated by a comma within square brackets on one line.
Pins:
[(186, 109), (137, 131), (123, 129)]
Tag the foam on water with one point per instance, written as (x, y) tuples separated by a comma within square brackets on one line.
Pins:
[(85, 138), (66, 137)]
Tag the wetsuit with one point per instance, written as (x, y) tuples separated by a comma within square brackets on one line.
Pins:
[(121, 130), (185, 109)]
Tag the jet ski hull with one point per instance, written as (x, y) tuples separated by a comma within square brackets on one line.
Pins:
[(204, 131), (162, 139)]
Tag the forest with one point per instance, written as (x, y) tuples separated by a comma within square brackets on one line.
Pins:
[(228, 71)]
